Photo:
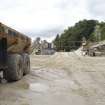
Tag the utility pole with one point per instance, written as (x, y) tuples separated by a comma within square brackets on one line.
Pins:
[(97, 33)]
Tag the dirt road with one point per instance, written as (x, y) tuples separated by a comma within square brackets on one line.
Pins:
[(60, 79)]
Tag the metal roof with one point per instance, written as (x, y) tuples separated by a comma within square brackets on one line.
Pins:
[(98, 44)]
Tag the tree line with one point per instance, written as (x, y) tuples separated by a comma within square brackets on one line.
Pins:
[(72, 37)]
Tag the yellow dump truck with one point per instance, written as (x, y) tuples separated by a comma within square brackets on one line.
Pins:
[(14, 53)]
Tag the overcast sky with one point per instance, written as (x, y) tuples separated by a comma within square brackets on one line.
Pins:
[(46, 18)]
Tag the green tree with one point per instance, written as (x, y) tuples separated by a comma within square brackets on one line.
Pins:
[(57, 42), (73, 35)]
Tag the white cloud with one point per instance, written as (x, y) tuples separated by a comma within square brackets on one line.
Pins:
[(97, 9)]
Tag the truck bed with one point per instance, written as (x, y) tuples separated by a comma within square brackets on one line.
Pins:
[(16, 42)]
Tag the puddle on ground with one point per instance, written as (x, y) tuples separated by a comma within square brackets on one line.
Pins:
[(38, 87)]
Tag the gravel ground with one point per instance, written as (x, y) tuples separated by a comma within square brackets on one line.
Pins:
[(60, 79)]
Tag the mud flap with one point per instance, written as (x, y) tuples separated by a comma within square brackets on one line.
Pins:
[(3, 53)]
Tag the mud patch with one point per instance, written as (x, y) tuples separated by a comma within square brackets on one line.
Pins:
[(38, 87)]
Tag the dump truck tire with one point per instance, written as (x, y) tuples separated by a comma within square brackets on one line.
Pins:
[(26, 68), (15, 68)]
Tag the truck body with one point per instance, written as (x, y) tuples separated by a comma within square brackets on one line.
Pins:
[(14, 53)]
